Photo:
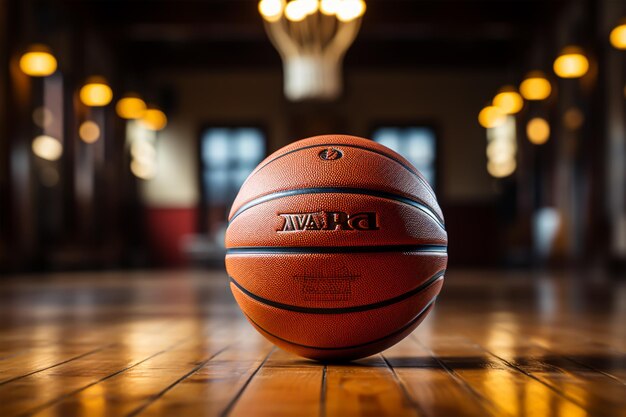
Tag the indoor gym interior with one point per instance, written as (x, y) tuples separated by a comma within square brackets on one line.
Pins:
[(114, 300)]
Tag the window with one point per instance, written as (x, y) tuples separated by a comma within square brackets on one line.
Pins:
[(417, 144), (228, 155)]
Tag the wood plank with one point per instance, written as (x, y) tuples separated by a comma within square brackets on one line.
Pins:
[(285, 385), (502, 356), (70, 347), (36, 391), (212, 389), (512, 392), (590, 354), (435, 390), (595, 392), (128, 392), (367, 387), (581, 331)]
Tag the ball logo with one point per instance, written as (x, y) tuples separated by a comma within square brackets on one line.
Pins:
[(324, 285), (328, 220), (330, 154)]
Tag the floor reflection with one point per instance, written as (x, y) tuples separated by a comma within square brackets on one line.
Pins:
[(175, 344)]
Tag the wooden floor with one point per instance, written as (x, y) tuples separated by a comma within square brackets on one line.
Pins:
[(174, 344)]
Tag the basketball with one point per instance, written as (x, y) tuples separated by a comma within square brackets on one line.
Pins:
[(336, 247)]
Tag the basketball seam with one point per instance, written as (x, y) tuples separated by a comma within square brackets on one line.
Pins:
[(396, 160), (341, 190), (342, 310), (440, 249), (394, 333)]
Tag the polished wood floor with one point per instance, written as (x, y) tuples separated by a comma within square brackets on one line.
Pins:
[(175, 344)]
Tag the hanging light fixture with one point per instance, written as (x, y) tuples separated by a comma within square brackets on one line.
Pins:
[(271, 10), (96, 92), (131, 106), (296, 10), (38, 61), (312, 37), (348, 10), (535, 86), (508, 100), (329, 7), (618, 35), (571, 63)]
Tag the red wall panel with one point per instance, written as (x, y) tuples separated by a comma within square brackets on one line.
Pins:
[(166, 228)]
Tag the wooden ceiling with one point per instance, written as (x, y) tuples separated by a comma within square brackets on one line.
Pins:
[(395, 33)]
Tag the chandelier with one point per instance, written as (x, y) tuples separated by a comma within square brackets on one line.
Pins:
[(312, 37)]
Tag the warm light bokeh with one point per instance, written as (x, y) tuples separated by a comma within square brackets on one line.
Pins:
[(348, 10), (500, 151), (535, 86), (491, 116), (143, 151), (509, 100), (38, 61), (502, 148), (89, 131), (618, 36), (571, 63), (130, 107), (96, 92), (538, 130), (329, 7), (296, 11), (48, 148), (310, 6), (143, 170), (502, 169), (271, 10), (153, 119)]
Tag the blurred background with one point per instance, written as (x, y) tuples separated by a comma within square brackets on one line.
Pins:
[(127, 127)]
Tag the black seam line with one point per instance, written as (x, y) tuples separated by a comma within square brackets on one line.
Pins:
[(341, 190), (405, 392), (342, 310), (399, 162), (286, 250), (73, 358), (403, 328), (323, 390), (155, 397), (231, 404), (63, 397)]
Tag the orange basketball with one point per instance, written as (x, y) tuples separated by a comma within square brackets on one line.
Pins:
[(336, 247)]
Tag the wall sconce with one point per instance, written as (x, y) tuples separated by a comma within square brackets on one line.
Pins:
[(38, 61), (571, 63), (96, 92), (535, 86)]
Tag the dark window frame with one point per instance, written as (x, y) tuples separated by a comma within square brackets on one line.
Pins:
[(203, 225), (418, 123)]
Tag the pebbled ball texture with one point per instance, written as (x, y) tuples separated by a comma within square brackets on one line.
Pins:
[(336, 247)]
